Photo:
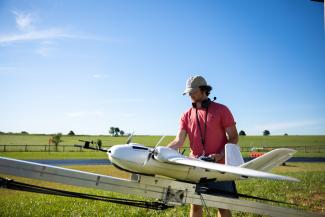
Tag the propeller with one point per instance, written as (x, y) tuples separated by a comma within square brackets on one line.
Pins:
[(153, 152), (128, 141), (179, 150)]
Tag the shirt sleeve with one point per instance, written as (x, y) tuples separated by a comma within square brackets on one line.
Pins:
[(183, 122), (227, 118)]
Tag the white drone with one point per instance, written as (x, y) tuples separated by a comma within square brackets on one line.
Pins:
[(164, 161)]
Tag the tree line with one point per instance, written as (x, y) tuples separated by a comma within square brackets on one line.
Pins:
[(264, 133)]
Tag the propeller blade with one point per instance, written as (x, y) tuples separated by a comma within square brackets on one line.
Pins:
[(160, 140), (153, 151), (129, 138), (147, 159)]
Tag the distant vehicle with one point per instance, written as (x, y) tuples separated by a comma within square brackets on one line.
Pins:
[(258, 151)]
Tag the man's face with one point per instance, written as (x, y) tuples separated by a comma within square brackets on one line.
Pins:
[(197, 95)]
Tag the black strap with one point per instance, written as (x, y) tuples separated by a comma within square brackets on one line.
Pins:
[(11, 184), (202, 188), (205, 126)]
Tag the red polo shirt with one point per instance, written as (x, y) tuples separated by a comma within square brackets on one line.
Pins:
[(219, 118)]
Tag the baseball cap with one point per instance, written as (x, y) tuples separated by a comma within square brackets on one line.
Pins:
[(194, 83)]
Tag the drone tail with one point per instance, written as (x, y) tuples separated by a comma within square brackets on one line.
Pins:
[(233, 156), (270, 159)]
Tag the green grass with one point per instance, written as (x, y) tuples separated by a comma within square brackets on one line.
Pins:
[(54, 155), (309, 194), (16, 139), (244, 141), (284, 141), (38, 143)]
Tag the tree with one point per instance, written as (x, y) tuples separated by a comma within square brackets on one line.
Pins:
[(242, 133), (266, 133), (71, 133), (117, 130), (285, 134), (56, 139), (111, 131), (24, 132)]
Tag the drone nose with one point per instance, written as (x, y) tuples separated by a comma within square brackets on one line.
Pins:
[(119, 151), (113, 151), (109, 154)]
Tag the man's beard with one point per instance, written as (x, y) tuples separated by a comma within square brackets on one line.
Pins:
[(199, 100)]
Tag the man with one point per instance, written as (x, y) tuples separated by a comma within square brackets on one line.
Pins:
[(209, 126)]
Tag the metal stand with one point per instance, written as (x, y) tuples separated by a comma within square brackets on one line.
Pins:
[(168, 191)]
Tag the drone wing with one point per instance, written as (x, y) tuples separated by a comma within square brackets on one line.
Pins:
[(61, 175), (233, 170)]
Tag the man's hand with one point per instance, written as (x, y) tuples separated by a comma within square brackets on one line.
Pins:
[(179, 140), (217, 157)]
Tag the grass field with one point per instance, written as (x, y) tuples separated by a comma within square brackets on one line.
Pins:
[(309, 194), (244, 141), (40, 141)]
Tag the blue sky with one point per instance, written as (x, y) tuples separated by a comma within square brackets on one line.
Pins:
[(89, 65)]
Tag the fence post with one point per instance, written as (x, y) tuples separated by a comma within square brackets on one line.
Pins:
[(26, 148), (4, 148), (63, 148)]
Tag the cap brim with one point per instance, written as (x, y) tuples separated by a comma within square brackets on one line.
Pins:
[(189, 90)]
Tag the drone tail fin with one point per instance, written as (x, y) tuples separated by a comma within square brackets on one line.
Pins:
[(233, 156), (270, 159)]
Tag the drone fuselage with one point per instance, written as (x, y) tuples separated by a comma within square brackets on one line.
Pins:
[(132, 158)]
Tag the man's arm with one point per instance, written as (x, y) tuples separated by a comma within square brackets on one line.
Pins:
[(232, 134), (179, 140), (232, 138)]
